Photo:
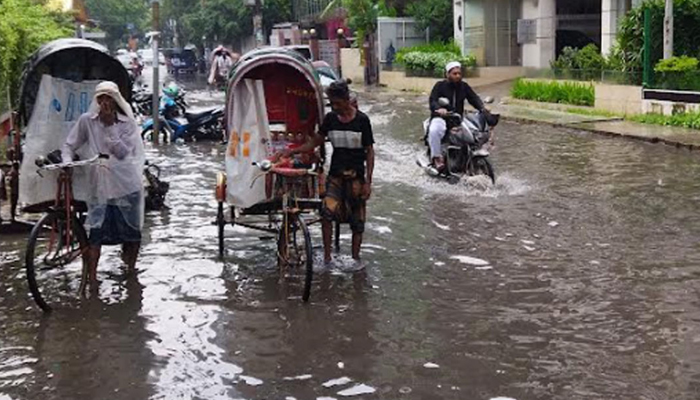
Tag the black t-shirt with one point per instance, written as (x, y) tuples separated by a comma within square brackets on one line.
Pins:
[(349, 141)]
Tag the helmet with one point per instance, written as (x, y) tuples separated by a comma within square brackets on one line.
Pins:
[(171, 90)]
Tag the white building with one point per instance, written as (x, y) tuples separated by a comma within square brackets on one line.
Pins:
[(531, 33)]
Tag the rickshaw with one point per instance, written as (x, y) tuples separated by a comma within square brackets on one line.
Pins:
[(57, 86), (274, 101)]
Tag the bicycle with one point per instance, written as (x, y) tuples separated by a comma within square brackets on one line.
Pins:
[(57, 240), (294, 196)]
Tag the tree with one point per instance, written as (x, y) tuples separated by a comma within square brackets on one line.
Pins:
[(436, 15), (223, 21), (362, 15), (24, 27), (115, 16)]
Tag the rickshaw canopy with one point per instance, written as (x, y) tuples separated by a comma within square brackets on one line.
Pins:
[(293, 93), (274, 100), (76, 60)]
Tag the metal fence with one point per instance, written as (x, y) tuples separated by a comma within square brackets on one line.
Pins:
[(328, 52), (399, 32), (308, 9)]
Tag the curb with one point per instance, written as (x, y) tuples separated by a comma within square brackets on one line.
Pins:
[(655, 140)]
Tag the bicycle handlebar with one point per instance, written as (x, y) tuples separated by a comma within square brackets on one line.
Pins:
[(43, 164)]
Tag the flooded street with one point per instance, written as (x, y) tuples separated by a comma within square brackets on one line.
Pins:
[(576, 277)]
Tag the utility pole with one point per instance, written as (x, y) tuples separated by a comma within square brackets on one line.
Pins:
[(156, 68), (668, 30), (257, 24)]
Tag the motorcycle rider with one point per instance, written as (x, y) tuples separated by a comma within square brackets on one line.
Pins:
[(456, 91)]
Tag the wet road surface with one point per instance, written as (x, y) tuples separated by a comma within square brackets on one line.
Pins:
[(575, 277)]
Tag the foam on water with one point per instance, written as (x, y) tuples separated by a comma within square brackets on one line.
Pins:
[(251, 380), (396, 163), (440, 226), (298, 377), (357, 390), (337, 382), (471, 260)]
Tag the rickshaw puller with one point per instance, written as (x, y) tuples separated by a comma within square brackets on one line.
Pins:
[(349, 183)]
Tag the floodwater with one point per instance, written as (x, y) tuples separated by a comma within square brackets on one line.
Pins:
[(575, 277)]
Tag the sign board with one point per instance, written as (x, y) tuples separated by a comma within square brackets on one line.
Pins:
[(527, 31)]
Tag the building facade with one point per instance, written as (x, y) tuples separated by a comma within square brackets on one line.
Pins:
[(531, 33)]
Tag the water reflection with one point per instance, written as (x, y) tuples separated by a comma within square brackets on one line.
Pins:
[(574, 278)]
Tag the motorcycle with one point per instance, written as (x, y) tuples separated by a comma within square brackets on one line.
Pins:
[(463, 145), (142, 101), (202, 126)]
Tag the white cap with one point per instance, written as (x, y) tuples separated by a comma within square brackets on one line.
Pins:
[(451, 65)]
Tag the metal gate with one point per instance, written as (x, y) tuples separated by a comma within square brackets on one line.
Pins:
[(400, 33), (328, 52)]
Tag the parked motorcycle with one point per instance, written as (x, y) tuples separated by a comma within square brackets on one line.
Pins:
[(203, 126), (142, 101), (463, 145)]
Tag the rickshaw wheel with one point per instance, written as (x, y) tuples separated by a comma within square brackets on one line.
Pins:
[(220, 223), (295, 252)]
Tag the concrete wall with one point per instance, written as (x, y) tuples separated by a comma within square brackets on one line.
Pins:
[(458, 8), (540, 53), (667, 107), (618, 98), (398, 80), (352, 68)]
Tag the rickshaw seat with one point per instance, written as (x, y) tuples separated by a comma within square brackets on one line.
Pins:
[(291, 172)]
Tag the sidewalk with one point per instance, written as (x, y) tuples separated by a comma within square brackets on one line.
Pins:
[(532, 112)]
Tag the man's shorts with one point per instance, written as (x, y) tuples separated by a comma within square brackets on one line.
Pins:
[(343, 202)]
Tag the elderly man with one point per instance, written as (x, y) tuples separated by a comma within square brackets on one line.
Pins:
[(455, 90), (116, 194)]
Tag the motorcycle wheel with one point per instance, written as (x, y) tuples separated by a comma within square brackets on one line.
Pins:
[(482, 166), (147, 135)]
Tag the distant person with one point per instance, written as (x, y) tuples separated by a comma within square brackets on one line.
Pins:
[(221, 65)]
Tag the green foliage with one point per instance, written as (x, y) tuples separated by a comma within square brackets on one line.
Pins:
[(433, 14), (432, 47), (677, 64), (581, 94), (584, 64), (678, 73), (594, 112), (433, 64), (686, 120), (219, 21), (429, 59), (24, 26), (630, 37), (114, 15), (362, 15)]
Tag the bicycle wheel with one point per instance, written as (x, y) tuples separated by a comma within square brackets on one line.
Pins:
[(54, 266), (295, 253)]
